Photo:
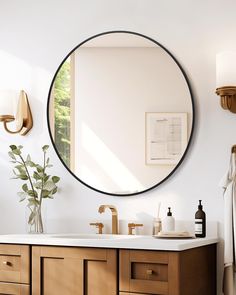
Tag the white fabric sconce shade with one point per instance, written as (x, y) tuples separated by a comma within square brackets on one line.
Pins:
[(226, 79), (8, 102), (226, 69)]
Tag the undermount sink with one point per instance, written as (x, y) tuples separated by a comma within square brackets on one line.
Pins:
[(94, 236)]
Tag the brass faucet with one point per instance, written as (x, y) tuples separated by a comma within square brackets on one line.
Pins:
[(114, 212)]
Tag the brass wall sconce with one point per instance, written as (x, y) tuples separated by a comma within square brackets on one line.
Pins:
[(23, 117), (226, 80)]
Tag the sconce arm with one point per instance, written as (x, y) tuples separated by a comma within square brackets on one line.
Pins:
[(24, 119), (12, 132), (227, 97)]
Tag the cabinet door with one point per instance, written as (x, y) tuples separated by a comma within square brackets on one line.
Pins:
[(14, 289), (74, 271)]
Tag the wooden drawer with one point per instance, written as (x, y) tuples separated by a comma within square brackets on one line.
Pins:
[(148, 272), (14, 264), (14, 289)]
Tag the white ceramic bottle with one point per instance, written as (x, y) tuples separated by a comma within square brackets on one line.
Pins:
[(168, 223)]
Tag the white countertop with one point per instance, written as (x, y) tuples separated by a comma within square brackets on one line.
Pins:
[(108, 241)]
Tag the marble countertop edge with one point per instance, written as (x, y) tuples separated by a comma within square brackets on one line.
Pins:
[(107, 241)]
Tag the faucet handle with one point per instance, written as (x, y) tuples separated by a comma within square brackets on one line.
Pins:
[(98, 225), (132, 226)]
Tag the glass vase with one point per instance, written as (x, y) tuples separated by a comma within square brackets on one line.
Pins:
[(35, 220)]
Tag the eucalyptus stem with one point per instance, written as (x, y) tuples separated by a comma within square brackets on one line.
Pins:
[(41, 193), (27, 172), (38, 184)]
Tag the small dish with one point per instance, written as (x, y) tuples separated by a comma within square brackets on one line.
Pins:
[(174, 235)]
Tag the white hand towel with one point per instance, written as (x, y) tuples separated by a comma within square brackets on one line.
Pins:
[(228, 183)]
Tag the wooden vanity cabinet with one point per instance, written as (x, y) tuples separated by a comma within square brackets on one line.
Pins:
[(14, 269), (168, 273), (99, 271), (74, 271)]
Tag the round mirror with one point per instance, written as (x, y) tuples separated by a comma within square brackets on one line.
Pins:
[(120, 113)]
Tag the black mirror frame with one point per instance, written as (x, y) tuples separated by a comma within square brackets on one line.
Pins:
[(193, 113)]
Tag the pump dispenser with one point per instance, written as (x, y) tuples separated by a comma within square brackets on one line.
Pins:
[(200, 222), (169, 222)]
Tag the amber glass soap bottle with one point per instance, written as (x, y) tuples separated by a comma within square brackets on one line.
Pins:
[(200, 222)]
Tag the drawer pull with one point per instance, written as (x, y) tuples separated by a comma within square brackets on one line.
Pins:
[(7, 263), (150, 271)]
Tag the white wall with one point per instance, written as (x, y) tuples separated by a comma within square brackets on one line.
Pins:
[(114, 87), (35, 36)]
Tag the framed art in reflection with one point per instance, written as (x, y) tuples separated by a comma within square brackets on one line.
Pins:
[(166, 138)]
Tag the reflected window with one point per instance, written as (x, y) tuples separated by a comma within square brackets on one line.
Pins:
[(62, 125)]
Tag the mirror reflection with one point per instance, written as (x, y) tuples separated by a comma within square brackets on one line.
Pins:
[(120, 113)]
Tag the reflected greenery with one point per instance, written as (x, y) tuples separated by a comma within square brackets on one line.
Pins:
[(62, 111)]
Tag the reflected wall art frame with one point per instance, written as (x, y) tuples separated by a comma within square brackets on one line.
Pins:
[(191, 130), (166, 138)]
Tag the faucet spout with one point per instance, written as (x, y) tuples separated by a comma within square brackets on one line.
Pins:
[(114, 212)]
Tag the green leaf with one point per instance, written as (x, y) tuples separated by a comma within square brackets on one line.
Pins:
[(23, 177), (11, 155), (55, 179), (13, 147), (32, 193), (36, 176), (46, 177), (47, 162), (49, 185), (19, 167), (22, 196), (42, 175), (38, 185), (16, 152), (39, 168), (45, 193), (30, 164), (25, 187), (54, 191), (45, 148), (49, 166)]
